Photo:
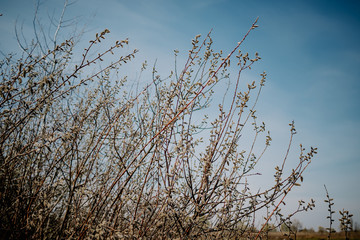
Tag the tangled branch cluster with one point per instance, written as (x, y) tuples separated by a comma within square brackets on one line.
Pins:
[(82, 158)]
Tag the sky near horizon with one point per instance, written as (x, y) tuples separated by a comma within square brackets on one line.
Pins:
[(309, 49)]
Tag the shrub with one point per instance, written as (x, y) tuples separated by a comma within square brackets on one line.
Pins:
[(83, 157)]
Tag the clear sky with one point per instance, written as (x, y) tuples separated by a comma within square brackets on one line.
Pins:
[(310, 51)]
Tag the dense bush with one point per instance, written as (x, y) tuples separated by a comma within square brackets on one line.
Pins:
[(84, 157)]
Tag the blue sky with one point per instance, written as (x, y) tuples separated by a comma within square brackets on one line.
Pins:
[(310, 51)]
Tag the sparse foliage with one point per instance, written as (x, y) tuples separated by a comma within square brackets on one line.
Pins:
[(345, 222), (331, 212)]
